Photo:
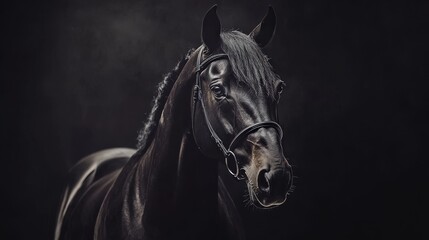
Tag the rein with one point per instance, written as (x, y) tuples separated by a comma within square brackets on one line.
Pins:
[(231, 161)]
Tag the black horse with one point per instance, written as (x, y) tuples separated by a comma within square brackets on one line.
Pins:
[(225, 91)]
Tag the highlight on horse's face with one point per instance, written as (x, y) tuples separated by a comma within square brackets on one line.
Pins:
[(233, 106)]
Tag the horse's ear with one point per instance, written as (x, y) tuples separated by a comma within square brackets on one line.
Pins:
[(210, 31), (263, 33)]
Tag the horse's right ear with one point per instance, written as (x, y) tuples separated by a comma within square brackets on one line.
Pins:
[(210, 31)]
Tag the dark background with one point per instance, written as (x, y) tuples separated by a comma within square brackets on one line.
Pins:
[(79, 76)]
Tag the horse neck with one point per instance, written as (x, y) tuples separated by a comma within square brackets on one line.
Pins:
[(173, 179), (168, 155), (171, 187)]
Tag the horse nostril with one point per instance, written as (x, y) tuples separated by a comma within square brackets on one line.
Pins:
[(263, 181)]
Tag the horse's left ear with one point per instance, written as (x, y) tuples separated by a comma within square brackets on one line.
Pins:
[(210, 31), (263, 33)]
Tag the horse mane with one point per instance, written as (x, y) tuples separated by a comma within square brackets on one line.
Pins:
[(164, 87), (249, 64)]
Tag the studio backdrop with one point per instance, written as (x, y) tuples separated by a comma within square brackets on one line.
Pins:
[(80, 76)]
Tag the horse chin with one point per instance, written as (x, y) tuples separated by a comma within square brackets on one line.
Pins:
[(261, 202)]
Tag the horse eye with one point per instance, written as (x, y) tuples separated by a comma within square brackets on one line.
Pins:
[(218, 91), (280, 87)]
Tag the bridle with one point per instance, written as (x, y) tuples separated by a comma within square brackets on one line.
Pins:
[(228, 153)]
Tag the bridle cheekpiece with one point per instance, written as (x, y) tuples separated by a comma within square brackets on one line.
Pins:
[(231, 161)]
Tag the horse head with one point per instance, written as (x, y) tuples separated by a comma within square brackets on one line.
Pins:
[(235, 108)]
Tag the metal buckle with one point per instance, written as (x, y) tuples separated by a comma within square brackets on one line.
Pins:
[(232, 166)]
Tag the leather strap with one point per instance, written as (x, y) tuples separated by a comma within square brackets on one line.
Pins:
[(231, 161), (248, 130)]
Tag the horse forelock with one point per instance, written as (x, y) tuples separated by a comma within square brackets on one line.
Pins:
[(249, 64)]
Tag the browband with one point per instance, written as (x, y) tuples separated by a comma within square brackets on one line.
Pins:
[(209, 60)]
